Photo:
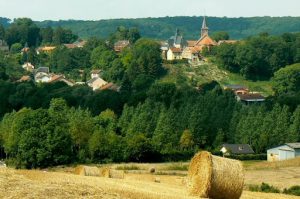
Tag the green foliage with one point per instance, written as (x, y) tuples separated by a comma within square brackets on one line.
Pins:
[(163, 27), (186, 140), (294, 190), (63, 36), (217, 36), (287, 79), (16, 48), (24, 31), (122, 33), (257, 57), (264, 187)]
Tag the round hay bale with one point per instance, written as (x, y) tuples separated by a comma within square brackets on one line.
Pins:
[(215, 177), (152, 170), (79, 170), (117, 174), (104, 172), (87, 171)]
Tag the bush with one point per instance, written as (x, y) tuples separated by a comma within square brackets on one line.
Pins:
[(180, 61), (264, 187), (294, 190), (248, 157)]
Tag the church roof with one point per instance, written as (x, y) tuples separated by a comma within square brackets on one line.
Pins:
[(176, 50), (204, 25), (191, 43), (205, 41)]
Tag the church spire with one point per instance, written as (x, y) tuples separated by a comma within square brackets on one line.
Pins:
[(204, 29)]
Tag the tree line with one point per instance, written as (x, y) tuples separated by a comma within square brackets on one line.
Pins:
[(259, 57), (170, 123)]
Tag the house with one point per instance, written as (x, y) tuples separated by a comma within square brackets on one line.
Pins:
[(172, 48), (236, 149), (28, 66), (176, 41), (42, 75), (174, 53), (96, 83), (3, 45), (119, 46), (284, 152), (70, 46), (24, 78), (77, 44), (95, 73), (191, 53), (110, 86), (45, 49), (250, 97), (227, 42), (60, 78), (80, 44), (237, 89), (196, 47)]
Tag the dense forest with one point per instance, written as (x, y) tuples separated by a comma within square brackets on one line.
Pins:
[(146, 120), (163, 28)]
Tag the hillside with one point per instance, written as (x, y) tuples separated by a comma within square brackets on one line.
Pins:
[(207, 72), (162, 28)]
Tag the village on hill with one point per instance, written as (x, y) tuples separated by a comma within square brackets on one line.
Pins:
[(167, 117)]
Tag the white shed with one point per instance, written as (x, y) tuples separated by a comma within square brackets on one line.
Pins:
[(284, 152)]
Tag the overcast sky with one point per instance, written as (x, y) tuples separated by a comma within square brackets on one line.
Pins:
[(107, 9)]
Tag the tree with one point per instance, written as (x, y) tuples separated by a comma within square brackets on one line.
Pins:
[(63, 36), (295, 126), (22, 30), (16, 48), (146, 59), (217, 36), (46, 35), (186, 140), (81, 128), (2, 32), (287, 79)]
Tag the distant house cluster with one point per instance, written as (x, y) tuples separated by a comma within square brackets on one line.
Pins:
[(243, 94), (177, 48), (119, 46)]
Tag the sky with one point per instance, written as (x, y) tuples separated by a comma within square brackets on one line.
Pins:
[(111, 9)]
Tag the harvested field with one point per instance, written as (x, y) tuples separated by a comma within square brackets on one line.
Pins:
[(42, 184)]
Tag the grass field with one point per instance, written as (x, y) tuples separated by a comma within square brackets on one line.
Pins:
[(138, 182), (206, 72)]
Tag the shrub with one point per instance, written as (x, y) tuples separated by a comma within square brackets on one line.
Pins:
[(127, 167), (294, 190), (248, 157), (264, 187)]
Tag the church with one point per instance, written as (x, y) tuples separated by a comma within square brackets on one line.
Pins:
[(178, 48)]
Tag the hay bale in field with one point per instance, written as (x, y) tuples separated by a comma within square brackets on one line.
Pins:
[(215, 177), (104, 172), (117, 174), (152, 170), (87, 171)]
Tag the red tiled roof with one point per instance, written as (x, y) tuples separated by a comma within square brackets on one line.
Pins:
[(205, 41), (176, 50), (191, 43)]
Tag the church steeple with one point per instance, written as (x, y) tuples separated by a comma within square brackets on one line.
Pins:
[(204, 29)]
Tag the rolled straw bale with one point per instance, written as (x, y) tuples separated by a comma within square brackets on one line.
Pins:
[(104, 172), (87, 171), (117, 174), (215, 177)]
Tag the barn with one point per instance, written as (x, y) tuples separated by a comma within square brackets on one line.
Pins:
[(284, 152)]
